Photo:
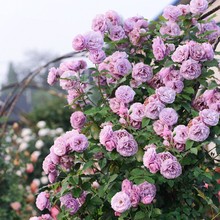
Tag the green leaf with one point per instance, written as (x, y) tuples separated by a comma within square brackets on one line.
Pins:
[(194, 150), (145, 122), (139, 216), (112, 178), (189, 144), (189, 90), (87, 165), (76, 192)]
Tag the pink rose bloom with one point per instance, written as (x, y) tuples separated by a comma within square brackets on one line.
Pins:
[(176, 85), (151, 160), (75, 65), (66, 82), (181, 134), (72, 94), (165, 156), (99, 23), (77, 119), (159, 48), (126, 186), (212, 96), (53, 76), (135, 36), (122, 67), (161, 128), (168, 116), (117, 33), (66, 162), (171, 169), (166, 94), (42, 201), (29, 168), (52, 176), (196, 51), (131, 23), (198, 6), (153, 109), (147, 192), (135, 124), (170, 28), (216, 107), (117, 106), (112, 18), (15, 206), (45, 217), (79, 42), (122, 133), (181, 54), (142, 72), (34, 218), (135, 195), (180, 147), (60, 146), (46, 165), (97, 56), (137, 111), (171, 12), (184, 9), (120, 202), (125, 94), (78, 143), (127, 146), (94, 40), (107, 138), (209, 52), (190, 69), (198, 132), (209, 116)]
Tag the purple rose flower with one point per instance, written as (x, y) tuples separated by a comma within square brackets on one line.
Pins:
[(127, 146), (171, 12), (147, 192), (60, 146), (42, 201), (165, 156), (198, 132), (176, 85), (69, 203), (170, 169), (79, 42), (181, 134), (162, 129), (125, 94), (168, 116), (151, 161), (190, 69), (117, 33), (209, 52), (184, 9), (166, 94), (112, 18), (77, 119), (53, 76), (120, 202), (126, 186), (99, 23), (196, 51), (170, 28), (181, 54), (122, 67), (94, 40), (142, 72), (66, 82), (137, 111), (209, 116), (135, 195), (52, 176), (198, 6), (153, 109), (108, 138), (159, 48), (97, 56), (78, 143)]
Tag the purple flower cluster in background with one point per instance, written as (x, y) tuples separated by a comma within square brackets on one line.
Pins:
[(131, 195)]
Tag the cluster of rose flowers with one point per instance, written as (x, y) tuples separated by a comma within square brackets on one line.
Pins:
[(168, 82), (131, 195), (67, 201), (164, 162)]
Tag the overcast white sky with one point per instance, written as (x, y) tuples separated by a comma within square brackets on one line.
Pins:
[(50, 25)]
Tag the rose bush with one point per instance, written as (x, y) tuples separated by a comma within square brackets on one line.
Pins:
[(142, 120)]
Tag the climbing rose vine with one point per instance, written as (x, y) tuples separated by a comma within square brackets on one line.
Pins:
[(144, 118)]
